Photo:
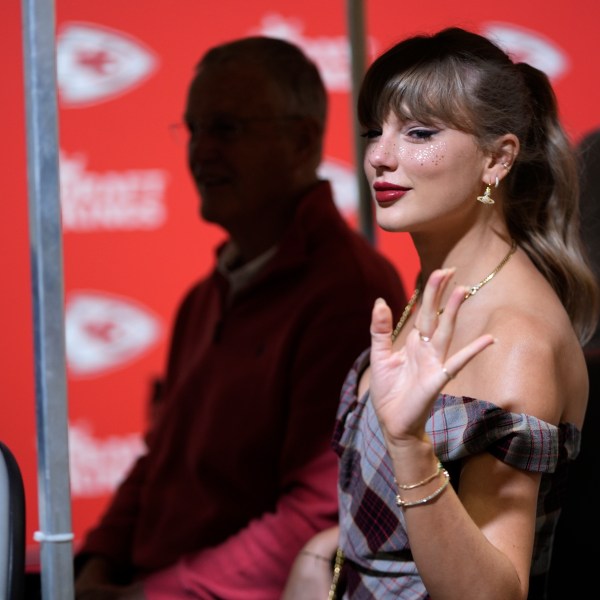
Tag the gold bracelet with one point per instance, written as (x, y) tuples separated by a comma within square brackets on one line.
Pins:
[(315, 555), (403, 504), (411, 486)]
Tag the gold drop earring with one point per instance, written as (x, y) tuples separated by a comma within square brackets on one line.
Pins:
[(487, 195)]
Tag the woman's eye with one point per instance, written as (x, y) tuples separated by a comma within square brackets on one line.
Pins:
[(371, 133), (422, 134)]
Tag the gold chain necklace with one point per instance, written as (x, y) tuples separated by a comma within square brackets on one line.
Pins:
[(405, 313), (470, 292)]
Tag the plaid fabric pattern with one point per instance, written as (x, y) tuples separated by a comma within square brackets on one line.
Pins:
[(372, 529)]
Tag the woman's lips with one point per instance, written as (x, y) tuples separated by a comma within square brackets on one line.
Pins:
[(386, 193)]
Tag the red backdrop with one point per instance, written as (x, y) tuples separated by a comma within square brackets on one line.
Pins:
[(132, 239)]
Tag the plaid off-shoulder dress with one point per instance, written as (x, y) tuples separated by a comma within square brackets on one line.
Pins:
[(377, 557)]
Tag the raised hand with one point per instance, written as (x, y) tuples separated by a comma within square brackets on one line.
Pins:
[(405, 382)]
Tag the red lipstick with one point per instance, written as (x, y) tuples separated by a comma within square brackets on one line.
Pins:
[(388, 193)]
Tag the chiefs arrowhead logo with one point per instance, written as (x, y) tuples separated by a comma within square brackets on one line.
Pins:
[(96, 64), (524, 45), (104, 332)]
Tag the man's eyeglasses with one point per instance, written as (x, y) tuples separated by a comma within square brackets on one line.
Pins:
[(223, 128)]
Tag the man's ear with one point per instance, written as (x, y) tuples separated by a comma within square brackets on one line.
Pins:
[(308, 136)]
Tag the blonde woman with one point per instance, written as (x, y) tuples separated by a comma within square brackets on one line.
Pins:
[(456, 428)]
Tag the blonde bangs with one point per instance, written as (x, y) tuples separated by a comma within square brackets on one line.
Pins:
[(429, 93)]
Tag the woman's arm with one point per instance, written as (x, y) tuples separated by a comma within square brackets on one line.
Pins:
[(311, 574), (474, 546)]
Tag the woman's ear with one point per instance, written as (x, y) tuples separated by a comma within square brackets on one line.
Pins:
[(502, 158)]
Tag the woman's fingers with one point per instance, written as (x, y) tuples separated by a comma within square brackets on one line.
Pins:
[(433, 328), (413, 375), (381, 328), (444, 328), (458, 360), (427, 319)]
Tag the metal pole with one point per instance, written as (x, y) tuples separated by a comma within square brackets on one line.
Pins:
[(48, 300), (356, 29)]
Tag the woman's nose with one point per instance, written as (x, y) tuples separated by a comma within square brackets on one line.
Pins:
[(382, 154)]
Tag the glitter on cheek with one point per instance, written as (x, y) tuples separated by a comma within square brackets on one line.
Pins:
[(431, 154)]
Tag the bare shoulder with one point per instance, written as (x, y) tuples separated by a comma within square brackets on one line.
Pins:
[(537, 365)]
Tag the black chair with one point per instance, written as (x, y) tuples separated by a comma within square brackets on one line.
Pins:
[(12, 527)]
